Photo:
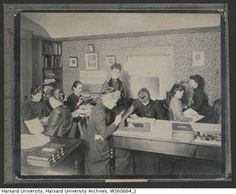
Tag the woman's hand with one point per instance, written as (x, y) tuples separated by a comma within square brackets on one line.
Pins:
[(44, 120), (134, 116), (98, 137), (74, 114), (81, 99)]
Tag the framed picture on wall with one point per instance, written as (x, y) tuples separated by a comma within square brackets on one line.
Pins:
[(110, 60), (73, 62), (91, 61), (198, 58)]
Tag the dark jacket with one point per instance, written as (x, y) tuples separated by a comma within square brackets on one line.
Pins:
[(72, 101), (118, 86), (60, 123), (32, 110), (200, 103), (152, 110), (101, 123)]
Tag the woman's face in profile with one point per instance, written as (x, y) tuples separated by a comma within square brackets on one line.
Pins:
[(78, 88), (179, 94), (193, 84)]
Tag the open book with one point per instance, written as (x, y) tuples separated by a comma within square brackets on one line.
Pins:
[(193, 114)]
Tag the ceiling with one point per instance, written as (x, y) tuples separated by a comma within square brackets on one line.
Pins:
[(62, 25)]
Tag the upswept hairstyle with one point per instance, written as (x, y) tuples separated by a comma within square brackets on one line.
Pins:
[(199, 80), (116, 66), (175, 88), (75, 84), (144, 93), (36, 89)]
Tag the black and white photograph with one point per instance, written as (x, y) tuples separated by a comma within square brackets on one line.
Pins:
[(156, 109)]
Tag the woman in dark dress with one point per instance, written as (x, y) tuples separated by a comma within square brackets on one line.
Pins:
[(144, 106), (60, 122), (101, 126), (200, 100), (35, 110), (75, 99)]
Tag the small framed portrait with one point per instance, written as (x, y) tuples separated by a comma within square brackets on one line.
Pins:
[(91, 48), (73, 62), (110, 60), (91, 61), (198, 58)]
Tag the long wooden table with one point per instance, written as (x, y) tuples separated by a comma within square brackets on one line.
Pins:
[(159, 140)]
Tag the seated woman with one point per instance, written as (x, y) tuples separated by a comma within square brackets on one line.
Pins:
[(75, 99), (35, 112), (35, 115), (101, 126), (60, 122), (144, 106), (200, 100), (176, 107)]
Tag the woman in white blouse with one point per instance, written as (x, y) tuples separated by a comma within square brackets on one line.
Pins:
[(176, 107)]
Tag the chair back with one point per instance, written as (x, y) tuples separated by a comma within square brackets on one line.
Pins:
[(216, 111)]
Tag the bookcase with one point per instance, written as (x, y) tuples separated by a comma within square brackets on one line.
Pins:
[(52, 63)]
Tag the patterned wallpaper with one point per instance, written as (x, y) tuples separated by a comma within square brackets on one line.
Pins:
[(184, 44)]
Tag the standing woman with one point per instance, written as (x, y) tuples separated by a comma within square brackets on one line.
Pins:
[(200, 100), (115, 83), (75, 99), (101, 126)]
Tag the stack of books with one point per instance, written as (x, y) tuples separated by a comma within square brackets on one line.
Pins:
[(47, 155), (182, 132), (49, 78)]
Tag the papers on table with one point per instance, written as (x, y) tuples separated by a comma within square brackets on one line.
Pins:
[(34, 126), (30, 141), (193, 114)]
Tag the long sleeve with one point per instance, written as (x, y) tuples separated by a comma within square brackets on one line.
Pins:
[(105, 86), (52, 127), (100, 123), (176, 108), (198, 99), (159, 110)]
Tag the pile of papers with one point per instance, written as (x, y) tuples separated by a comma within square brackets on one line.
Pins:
[(193, 114)]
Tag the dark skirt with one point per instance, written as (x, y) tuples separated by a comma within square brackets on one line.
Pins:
[(97, 158)]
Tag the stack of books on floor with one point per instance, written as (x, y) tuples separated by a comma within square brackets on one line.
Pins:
[(46, 155)]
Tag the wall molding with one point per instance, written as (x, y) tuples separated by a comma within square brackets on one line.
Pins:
[(136, 34)]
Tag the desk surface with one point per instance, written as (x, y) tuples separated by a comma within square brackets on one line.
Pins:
[(72, 145), (159, 140)]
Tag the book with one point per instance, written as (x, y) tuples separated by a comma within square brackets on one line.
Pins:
[(182, 132)]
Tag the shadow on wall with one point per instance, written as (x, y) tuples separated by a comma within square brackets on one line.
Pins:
[(134, 83)]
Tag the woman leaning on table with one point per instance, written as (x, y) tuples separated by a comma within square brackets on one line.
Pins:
[(101, 126)]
